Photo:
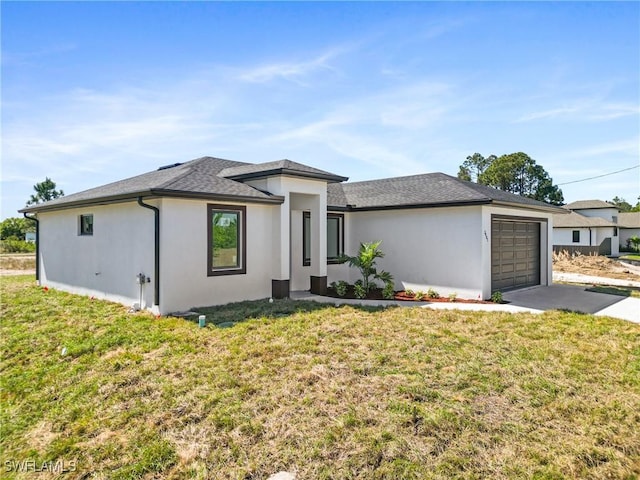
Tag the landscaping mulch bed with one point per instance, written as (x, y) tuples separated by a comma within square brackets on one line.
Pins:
[(376, 294)]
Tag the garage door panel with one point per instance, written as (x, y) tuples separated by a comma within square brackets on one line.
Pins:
[(515, 254)]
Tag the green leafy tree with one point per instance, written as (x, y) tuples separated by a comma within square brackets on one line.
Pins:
[(622, 204), (520, 174), (365, 261), (45, 191), (15, 228), (474, 166)]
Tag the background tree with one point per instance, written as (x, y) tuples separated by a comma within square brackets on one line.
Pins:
[(45, 191), (621, 203), (15, 228), (516, 173), (474, 166)]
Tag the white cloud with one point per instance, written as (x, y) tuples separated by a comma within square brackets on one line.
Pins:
[(295, 72), (588, 110)]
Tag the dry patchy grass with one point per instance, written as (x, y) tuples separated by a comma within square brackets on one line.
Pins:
[(17, 261), (596, 265), (330, 393)]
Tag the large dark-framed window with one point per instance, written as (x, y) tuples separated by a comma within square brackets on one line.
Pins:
[(576, 236), (226, 239), (335, 238), (85, 224)]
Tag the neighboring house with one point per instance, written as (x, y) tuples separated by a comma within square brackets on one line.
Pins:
[(628, 226), (590, 228), (213, 231)]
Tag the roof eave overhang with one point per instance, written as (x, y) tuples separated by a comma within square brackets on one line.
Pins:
[(329, 178), (540, 208), (153, 193), (410, 206)]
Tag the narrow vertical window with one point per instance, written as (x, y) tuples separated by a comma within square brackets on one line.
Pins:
[(226, 227), (85, 224), (306, 239), (576, 236), (335, 238)]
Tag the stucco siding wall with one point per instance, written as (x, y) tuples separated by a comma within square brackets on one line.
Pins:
[(606, 213), (184, 280), (564, 236), (104, 264), (424, 248)]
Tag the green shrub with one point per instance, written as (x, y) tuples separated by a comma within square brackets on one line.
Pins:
[(431, 293), (496, 297), (418, 296), (12, 245), (453, 297), (359, 289), (341, 288), (387, 292)]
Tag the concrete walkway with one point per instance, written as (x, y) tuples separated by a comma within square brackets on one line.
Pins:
[(531, 300)]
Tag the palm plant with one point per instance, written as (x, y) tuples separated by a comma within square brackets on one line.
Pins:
[(365, 261)]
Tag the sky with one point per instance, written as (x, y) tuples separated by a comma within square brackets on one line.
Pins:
[(94, 92)]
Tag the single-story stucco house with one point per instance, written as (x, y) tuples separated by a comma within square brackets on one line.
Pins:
[(212, 231), (593, 227)]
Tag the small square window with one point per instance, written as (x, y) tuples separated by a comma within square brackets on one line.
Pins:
[(576, 236), (86, 224)]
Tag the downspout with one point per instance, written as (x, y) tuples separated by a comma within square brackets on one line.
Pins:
[(156, 276), (35, 219)]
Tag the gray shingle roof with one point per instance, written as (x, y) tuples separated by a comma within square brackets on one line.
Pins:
[(588, 204), (198, 176), (629, 220), (421, 190), (215, 178), (279, 167), (575, 220)]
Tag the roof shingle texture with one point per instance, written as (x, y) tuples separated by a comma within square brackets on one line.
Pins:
[(588, 204), (198, 176), (206, 176), (629, 220), (576, 220), (425, 189)]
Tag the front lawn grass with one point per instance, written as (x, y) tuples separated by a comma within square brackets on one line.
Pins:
[(326, 392), (611, 290)]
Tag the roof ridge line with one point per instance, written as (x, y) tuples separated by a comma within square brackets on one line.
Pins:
[(179, 177)]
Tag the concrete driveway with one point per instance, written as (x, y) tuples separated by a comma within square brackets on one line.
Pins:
[(575, 298)]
